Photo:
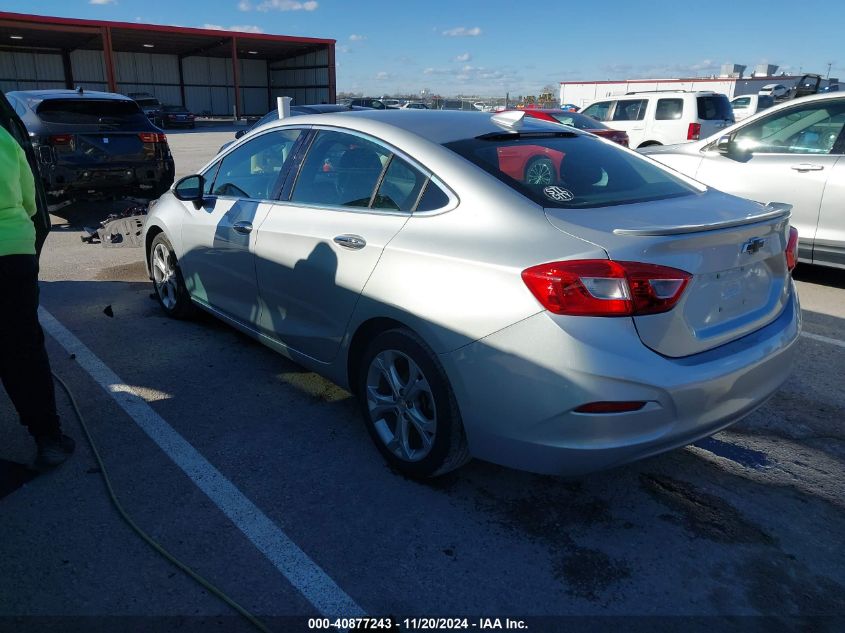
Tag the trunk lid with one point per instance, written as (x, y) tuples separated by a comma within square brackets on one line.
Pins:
[(733, 248)]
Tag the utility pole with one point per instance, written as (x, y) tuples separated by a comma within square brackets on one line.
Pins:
[(829, 64)]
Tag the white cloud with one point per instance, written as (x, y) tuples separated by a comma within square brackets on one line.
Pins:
[(240, 28), (463, 58), (340, 48), (357, 38), (287, 5), (102, 1), (382, 76), (462, 31), (244, 5)]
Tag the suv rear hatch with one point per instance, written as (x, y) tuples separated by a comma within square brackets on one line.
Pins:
[(714, 113), (733, 249), (83, 132)]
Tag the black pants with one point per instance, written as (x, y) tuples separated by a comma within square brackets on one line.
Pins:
[(24, 366)]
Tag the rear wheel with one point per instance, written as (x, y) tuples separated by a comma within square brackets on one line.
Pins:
[(409, 407), (540, 171), (169, 286)]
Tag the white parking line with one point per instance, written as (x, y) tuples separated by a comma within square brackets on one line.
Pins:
[(302, 572), (824, 339)]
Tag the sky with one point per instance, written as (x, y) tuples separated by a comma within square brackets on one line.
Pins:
[(489, 48)]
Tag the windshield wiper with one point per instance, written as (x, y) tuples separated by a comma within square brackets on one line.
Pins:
[(510, 136)]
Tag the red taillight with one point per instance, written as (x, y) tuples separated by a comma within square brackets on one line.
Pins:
[(601, 287), (152, 137), (610, 407), (693, 131), (61, 139), (792, 249)]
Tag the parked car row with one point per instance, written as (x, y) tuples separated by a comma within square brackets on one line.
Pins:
[(163, 115)]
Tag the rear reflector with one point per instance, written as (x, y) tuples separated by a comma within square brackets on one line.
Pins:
[(601, 287), (694, 131), (610, 407), (792, 249), (61, 139)]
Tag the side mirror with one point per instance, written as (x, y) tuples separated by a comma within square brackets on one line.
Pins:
[(725, 144), (190, 189), (240, 133)]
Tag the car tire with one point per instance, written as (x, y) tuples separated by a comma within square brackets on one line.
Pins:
[(540, 171), (649, 144), (168, 284), (417, 430)]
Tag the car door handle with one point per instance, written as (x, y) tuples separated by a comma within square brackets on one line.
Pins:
[(352, 242), (242, 227), (807, 167)]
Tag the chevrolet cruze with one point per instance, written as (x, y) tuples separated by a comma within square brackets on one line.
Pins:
[(561, 320)]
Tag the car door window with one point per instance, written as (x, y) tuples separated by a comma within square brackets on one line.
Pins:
[(340, 169), (809, 129), (630, 110), (400, 187), (669, 109), (599, 111), (253, 169), (741, 102)]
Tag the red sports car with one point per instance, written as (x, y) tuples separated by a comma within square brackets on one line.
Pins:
[(579, 121)]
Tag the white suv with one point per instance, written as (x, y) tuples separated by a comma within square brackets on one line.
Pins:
[(664, 117)]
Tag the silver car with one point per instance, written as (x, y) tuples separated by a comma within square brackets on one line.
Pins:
[(794, 153), (488, 285)]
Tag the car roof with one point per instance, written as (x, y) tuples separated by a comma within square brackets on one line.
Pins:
[(438, 126), (45, 95)]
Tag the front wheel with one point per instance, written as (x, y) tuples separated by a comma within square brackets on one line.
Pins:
[(169, 286), (409, 407)]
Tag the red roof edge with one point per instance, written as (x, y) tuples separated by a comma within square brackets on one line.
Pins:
[(27, 18)]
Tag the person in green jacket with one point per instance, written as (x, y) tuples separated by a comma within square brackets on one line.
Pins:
[(24, 366)]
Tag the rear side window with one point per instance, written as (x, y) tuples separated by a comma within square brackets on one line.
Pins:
[(599, 111), (90, 111), (434, 198), (571, 170), (630, 110), (714, 108), (669, 109), (400, 187), (741, 102)]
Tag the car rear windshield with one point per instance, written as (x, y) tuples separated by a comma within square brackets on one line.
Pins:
[(174, 109), (714, 108), (569, 170), (90, 111)]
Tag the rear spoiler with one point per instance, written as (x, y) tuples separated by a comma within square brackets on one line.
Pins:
[(775, 211)]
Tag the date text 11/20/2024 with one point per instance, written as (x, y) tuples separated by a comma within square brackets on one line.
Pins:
[(416, 624)]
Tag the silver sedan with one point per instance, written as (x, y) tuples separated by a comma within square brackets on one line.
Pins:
[(488, 285)]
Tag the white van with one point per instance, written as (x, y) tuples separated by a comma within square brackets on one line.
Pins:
[(746, 105), (664, 117)]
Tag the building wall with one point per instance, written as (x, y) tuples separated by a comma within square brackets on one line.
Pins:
[(30, 71), (305, 78)]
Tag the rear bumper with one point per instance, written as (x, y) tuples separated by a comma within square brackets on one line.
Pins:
[(517, 390), (151, 178)]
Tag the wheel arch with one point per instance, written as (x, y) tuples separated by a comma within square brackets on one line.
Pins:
[(358, 342)]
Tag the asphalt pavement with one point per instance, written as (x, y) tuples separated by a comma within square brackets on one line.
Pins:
[(261, 476)]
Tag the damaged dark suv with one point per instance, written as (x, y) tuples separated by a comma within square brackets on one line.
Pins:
[(94, 144)]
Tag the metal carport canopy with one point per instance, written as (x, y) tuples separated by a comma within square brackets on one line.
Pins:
[(36, 33)]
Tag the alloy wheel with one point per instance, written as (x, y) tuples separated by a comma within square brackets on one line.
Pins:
[(164, 276), (401, 405)]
